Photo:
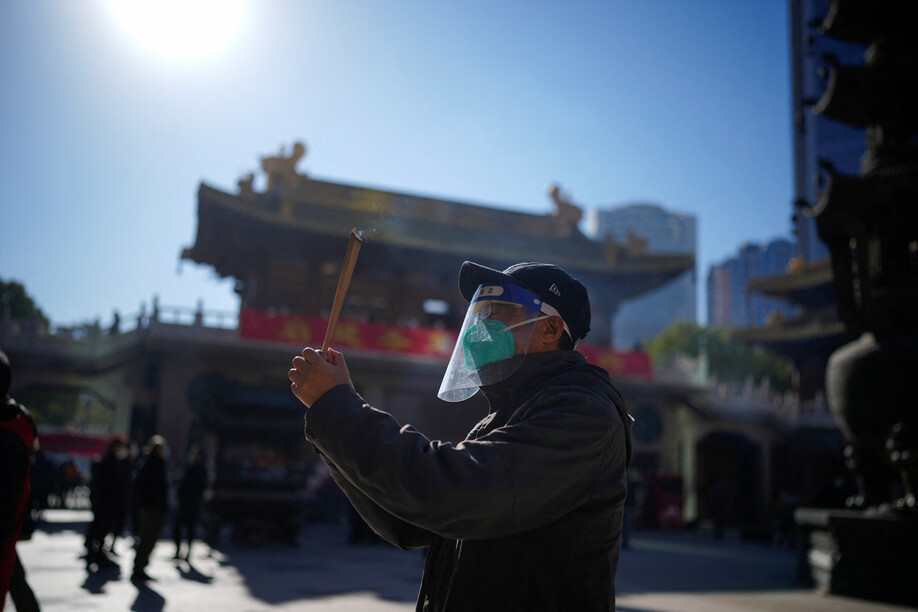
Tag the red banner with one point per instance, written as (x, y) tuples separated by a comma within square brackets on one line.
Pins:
[(74, 444), (304, 330), (310, 331)]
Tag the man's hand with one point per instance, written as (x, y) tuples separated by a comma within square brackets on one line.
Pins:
[(314, 373)]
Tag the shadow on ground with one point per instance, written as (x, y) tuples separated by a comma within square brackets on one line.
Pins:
[(324, 565), (148, 600), (189, 572), (95, 581), (658, 562)]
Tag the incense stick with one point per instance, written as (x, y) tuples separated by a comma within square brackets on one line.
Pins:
[(344, 279)]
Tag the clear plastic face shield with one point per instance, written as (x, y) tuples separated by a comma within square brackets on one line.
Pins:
[(493, 340)]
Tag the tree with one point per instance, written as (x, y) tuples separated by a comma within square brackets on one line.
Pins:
[(729, 360), (18, 304)]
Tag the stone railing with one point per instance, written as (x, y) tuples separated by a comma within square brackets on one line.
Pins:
[(746, 398), (94, 339)]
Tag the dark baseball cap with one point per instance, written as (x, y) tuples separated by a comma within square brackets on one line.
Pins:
[(556, 287)]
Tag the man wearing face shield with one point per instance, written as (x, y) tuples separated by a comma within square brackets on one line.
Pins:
[(526, 512)]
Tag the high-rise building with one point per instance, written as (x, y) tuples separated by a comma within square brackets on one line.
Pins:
[(730, 303), (665, 232), (818, 140)]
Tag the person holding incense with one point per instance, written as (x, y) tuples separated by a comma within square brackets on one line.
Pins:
[(526, 512)]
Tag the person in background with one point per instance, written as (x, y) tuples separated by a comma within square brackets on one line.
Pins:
[(106, 492), (152, 498), (124, 475), (190, 495), (18, 442)]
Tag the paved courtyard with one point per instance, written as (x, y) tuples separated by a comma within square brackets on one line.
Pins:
[(662, 571)]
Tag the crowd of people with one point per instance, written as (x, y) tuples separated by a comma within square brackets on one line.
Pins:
[(127, 494), (127, 491)]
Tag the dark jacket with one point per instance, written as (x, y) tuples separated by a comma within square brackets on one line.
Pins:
[(14, 469), (151, 489), (106, 489), (192, 486), (17, 435), (525, 514)]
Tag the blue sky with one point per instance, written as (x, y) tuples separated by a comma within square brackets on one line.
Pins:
[(104, 142)]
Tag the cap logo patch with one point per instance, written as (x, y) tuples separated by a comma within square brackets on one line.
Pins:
[(490, 291), (554, 289)]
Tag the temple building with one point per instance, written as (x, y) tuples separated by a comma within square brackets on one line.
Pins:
[(809, 336), (812, 452), (224, 385), (284, 249)]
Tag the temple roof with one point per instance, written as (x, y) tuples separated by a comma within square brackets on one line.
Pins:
[(817, 329), (322, 213), (809, 285), (284, 246), (430, 224), (813, 331)]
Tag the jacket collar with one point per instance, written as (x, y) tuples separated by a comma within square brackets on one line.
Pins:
[(521, 385)]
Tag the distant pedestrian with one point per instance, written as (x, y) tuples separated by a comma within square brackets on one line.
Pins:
[(107, 492), (124, 474), (190, 494), (18, 441), (151, 495)]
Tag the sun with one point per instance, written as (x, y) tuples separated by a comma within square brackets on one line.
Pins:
[(180, 29)]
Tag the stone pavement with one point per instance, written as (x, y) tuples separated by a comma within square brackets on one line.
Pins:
[(663, 571)]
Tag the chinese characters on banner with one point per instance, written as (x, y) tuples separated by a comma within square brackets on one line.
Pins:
[(304, 330)]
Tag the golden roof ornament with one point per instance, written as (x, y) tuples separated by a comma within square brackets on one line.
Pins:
[(567, 213), (281, 170)]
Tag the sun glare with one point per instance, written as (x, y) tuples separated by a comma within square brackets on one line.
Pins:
[(180, 29)]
